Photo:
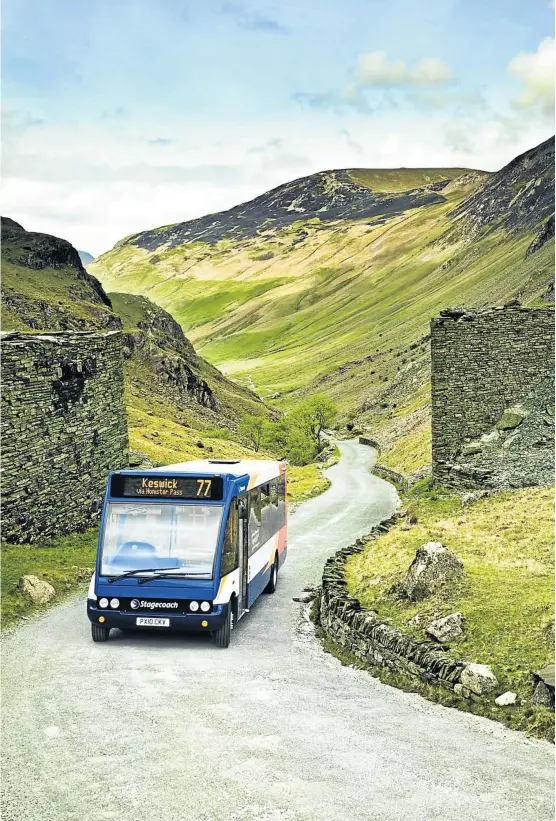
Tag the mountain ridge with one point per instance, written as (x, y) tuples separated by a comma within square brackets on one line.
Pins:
[(342, 305), (326, 195)]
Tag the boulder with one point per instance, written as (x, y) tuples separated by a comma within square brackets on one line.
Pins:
[(447, 628), (39, 591), (511, 418), (432, 568), (479, 679), (506, 699)]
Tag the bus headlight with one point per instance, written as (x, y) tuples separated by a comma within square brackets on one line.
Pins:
[(205, 607), (194, 606), (103, 603), (114, 603)]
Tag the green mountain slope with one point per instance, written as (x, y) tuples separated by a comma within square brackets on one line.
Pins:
[(328, 283), (175, 399)]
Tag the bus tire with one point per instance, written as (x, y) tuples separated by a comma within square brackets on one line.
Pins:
[(99, 632), (271, 586), (223, 634)]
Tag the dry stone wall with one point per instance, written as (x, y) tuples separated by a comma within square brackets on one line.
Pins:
[(493, 397), (374, 641), (64, 428)]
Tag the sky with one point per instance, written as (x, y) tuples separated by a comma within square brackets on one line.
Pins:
[(124, 115)]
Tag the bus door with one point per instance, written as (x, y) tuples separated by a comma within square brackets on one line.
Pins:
[(243, 550)]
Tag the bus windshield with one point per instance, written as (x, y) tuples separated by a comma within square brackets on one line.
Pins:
[(178, 538)]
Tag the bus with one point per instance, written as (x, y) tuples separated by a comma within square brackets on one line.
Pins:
[(188, 547)]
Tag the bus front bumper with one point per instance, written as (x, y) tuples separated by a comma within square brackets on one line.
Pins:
[(185, 622)]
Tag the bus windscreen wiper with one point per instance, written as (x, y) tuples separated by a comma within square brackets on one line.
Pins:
[(134, 572), (170, 576)]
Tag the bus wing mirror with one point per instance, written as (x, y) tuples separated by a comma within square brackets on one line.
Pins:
[(95, 507)]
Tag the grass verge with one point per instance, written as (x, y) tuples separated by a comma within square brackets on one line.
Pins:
[(506, 543), (65, 562)]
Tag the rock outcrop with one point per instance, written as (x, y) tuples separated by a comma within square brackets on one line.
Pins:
[(433, 567), (517, 197), (544, 234), (45, 285)]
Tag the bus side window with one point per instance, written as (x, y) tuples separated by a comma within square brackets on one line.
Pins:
[(255, 521), (274, 493), (266, 512), (230, 558)]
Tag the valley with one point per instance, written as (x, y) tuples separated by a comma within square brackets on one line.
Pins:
[(338, 299)]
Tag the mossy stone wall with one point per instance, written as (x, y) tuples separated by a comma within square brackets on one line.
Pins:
[(374, 641), (489, 367), (64, 428)]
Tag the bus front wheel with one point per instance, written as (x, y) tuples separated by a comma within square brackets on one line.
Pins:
[(99, 632), (223, 634)]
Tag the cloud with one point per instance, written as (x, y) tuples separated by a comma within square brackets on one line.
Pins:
[(536, 72), (392, 83), (252, 20), (373, 69), (161, 141), (333, 101)]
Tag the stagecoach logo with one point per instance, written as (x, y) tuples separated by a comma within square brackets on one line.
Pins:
[(153, 605)]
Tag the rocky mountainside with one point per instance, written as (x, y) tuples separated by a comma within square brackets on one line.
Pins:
[(176, 374), (44, 284), (45, 287), (517, 198), (327, 195)]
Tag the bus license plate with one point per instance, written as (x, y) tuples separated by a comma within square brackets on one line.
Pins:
[(147, 621)]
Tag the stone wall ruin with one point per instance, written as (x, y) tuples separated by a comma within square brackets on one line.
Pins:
[(493, 397), (64, 428)]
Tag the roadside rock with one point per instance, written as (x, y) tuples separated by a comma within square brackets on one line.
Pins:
[(506, 699), (432, 568), (447, 628), (305, 597), (39, 591), (478, 678)]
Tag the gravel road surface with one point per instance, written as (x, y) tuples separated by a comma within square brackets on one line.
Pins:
[(165, 728)]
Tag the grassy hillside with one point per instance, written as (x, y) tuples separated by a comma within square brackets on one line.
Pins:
[(389, 180), (342, 305), (507, 596)]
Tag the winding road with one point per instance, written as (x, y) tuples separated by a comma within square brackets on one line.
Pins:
[(166, 728)]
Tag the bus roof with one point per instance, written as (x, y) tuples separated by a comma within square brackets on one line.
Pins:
[(258, 470)]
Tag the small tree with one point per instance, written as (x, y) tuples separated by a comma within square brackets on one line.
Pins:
[(275, 437), (252, 431), (314, 415)]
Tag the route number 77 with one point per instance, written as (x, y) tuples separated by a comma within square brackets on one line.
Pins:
[(204, 487)]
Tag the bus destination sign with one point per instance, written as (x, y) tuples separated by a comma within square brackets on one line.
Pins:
[(167, 487)]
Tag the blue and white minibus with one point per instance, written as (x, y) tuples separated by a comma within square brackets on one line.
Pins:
[(188, 546)]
